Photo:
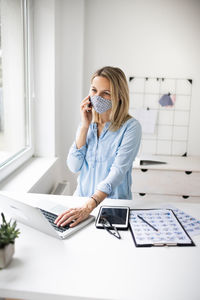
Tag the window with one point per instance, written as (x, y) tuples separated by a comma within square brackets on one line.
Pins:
[(15, 109)]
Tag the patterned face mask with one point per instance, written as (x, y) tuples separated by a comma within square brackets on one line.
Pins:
[(100, 104)]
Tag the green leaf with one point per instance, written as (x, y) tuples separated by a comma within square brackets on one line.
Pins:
[(8, 232)]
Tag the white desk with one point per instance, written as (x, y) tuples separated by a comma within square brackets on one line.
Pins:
[(92, 264)]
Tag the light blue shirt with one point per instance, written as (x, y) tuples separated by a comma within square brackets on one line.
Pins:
[(105, 163)]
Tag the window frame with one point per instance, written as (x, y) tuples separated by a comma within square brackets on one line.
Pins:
[(15, 161)]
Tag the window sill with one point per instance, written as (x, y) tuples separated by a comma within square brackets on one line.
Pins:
[(37, 175)]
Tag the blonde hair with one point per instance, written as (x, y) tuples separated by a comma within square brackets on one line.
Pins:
[(119, 96)]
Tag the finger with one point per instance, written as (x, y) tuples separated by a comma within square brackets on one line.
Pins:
[(85, 105), (76, 222), (58, 219), (87, 109), (68, 214), (60, 216), (69, 220), (64, 218), (84, 102), (85, 99), (81, 218)]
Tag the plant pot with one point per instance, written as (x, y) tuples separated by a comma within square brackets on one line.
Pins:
[(6, 255)]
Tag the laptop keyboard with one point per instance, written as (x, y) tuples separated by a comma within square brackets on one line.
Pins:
[(51, 218)]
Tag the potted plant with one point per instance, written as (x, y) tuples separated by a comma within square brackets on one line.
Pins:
[(8, 234)]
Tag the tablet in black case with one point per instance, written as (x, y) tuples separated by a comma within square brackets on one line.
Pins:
[(117, 216)]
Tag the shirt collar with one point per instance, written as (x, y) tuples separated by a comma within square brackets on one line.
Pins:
[(94, 127)]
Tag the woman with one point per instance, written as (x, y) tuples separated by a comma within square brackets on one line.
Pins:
[(107, 142)]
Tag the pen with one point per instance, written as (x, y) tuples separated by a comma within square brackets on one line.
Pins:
[(141, 218)]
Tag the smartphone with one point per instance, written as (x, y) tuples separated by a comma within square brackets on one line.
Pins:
[(89, 105), (117, 216)]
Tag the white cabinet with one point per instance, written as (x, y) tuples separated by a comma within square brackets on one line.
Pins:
[(179, 176)]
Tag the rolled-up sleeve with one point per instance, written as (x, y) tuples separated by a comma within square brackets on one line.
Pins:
[(76, 156), (125, 156)]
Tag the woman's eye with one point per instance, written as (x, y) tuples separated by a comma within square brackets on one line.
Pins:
[(94, 90)]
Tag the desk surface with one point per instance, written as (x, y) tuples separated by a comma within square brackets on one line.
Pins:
[(91, 264)]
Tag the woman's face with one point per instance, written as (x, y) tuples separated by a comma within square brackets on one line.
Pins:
[(100, 87)]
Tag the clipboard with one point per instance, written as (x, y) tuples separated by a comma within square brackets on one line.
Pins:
[(157, 227)]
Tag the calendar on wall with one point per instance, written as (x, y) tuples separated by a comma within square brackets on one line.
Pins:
[(162, 106)]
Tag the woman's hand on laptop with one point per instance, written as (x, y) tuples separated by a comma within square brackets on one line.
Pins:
[(75, 215), (79, 214)]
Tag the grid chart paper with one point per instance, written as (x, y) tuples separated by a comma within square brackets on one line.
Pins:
[(165, 128), (169, 230), (191, 224)]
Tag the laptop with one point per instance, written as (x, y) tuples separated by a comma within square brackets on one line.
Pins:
[(40, 219)]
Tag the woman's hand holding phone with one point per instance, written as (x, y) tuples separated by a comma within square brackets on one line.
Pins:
[(86, 112), (86, 119)]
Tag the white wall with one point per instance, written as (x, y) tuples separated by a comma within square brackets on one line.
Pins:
[(58, 60), (155, 38), (144, 38), (69, 32)]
